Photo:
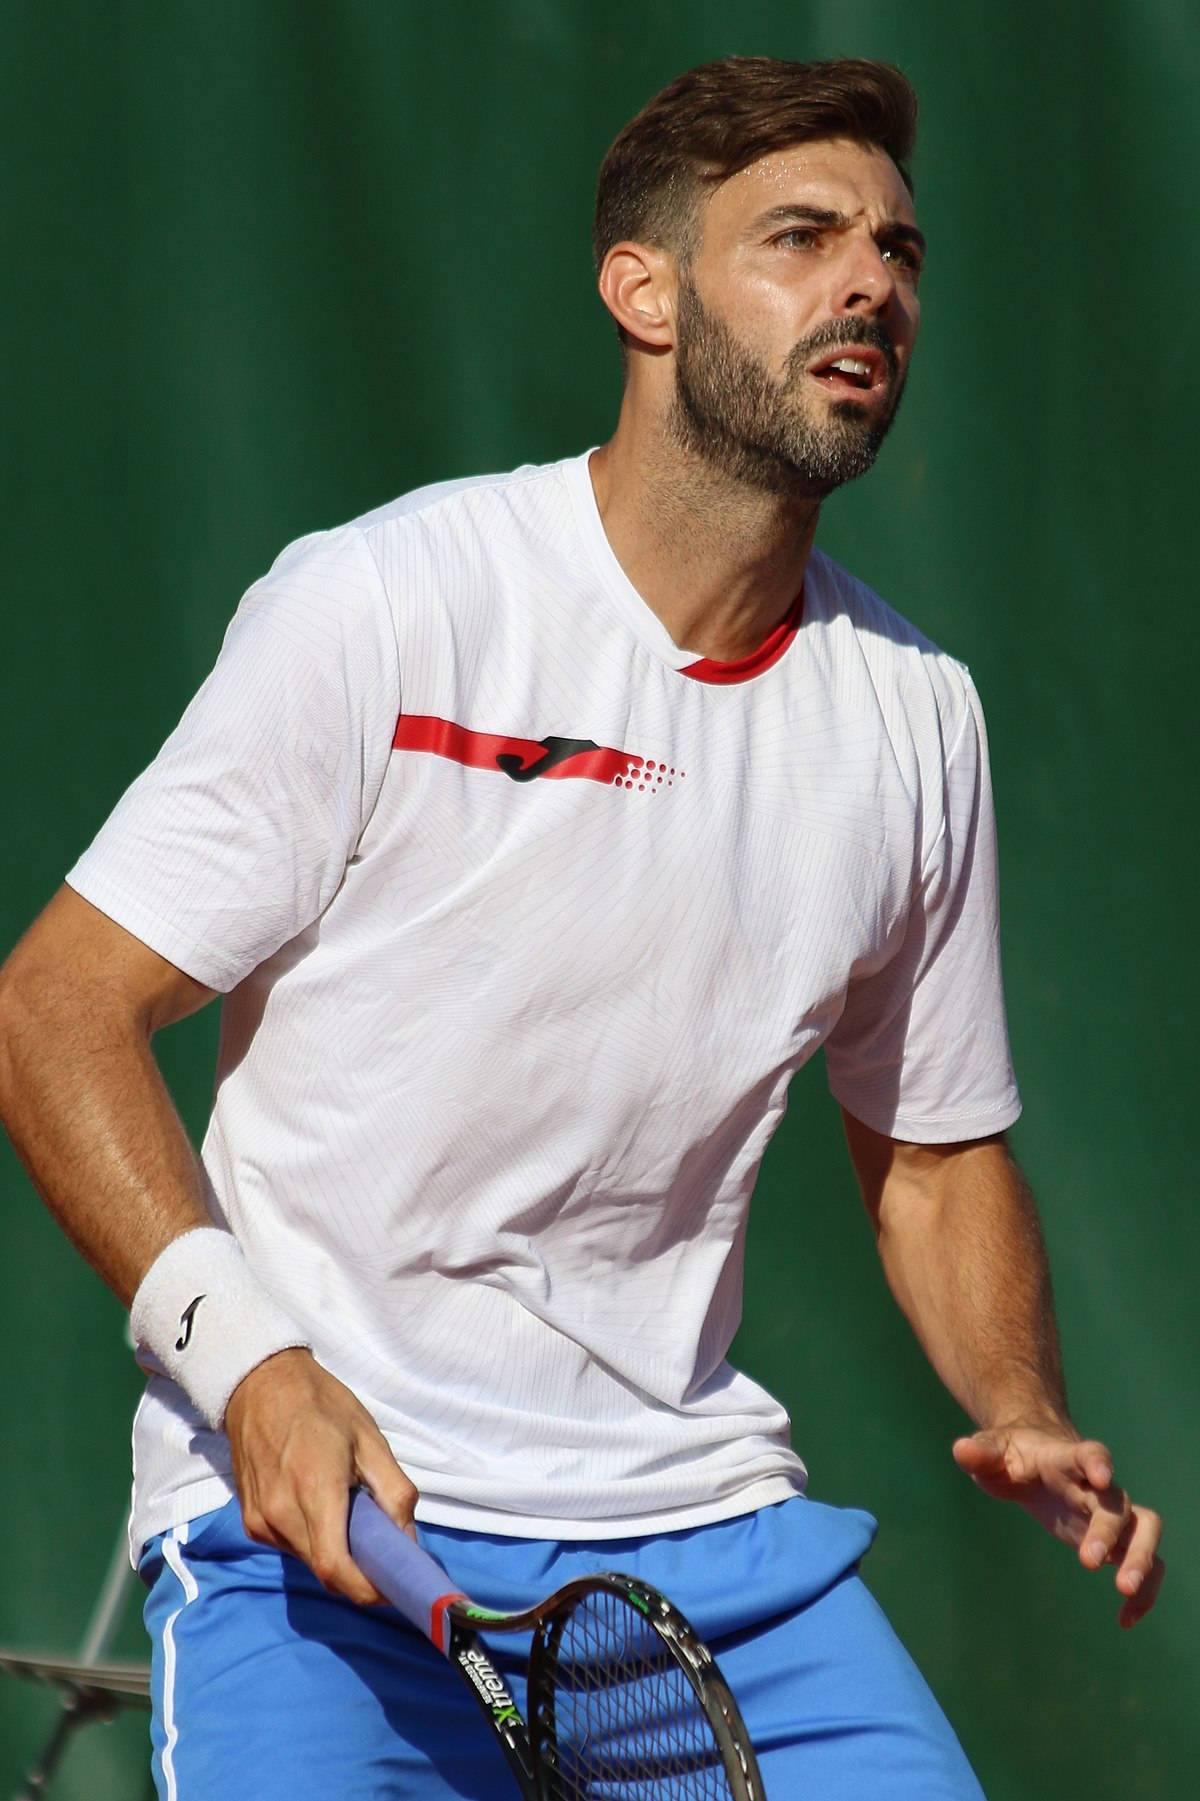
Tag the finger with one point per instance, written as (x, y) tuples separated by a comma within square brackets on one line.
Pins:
[(1068, 1465), (328, 1554), (1139, 1604), (389, 1486), (992, 1459), (271, 1516), (1112, 1514), (258, 1528), (979, 1455), (1095, 1463), (1081, 1501), (1138, 1550), (1055, 1468), (376, 1469)]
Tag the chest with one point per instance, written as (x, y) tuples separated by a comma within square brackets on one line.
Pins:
[(578, 844)]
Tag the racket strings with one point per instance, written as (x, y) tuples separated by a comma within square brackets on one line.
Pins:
[(628, 1724)]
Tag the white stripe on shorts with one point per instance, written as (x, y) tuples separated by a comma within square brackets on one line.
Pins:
[(172, 1548)]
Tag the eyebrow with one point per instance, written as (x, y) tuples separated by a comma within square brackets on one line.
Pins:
[(893, 231)]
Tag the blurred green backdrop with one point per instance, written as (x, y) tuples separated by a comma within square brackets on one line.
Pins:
[(268, 262)]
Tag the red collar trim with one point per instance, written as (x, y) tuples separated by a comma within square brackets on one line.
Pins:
[(707, 669)]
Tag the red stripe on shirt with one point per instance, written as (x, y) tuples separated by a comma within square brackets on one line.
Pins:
[(482, 750)]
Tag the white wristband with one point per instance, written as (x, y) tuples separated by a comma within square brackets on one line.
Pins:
[(206, 1319)]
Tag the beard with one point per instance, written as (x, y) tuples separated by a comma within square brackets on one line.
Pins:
[(767, 431)]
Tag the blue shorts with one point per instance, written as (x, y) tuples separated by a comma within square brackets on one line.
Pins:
[(266, 1685)]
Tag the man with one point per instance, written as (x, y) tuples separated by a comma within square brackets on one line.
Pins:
[(537, 830)]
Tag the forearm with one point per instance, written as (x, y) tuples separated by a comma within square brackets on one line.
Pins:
[(962, 1249), (973, 1279), (86, 1107)]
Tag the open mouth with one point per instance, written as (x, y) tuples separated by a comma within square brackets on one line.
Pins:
[(848, 372)]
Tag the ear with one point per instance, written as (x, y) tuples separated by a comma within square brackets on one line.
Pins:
[(638, 286)]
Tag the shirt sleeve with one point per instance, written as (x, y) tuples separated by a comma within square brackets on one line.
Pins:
[(921, 1050), (238, 835)]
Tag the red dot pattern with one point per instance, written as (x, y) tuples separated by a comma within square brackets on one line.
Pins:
[(649, 777)]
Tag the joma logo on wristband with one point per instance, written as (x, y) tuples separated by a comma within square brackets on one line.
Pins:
[(185, 1320)]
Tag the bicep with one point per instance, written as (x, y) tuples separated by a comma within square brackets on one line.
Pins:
[(900, 1180), (76, 957)]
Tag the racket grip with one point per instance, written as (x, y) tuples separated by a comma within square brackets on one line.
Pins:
[(415, 1584)]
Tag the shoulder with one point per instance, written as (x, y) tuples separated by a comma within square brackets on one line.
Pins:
[(468, 519), (432, 498), (902, 664), (482, 513)]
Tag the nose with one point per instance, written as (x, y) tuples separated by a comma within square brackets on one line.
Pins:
[(866, 282)]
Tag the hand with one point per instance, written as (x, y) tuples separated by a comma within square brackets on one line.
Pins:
[(1066, 1484), (300, 1443)]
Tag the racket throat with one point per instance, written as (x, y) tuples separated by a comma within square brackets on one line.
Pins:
[(498, 1703)]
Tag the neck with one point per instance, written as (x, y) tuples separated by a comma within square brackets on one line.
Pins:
[(719, 561)]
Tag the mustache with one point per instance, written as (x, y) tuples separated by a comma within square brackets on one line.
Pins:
[(836, 334)]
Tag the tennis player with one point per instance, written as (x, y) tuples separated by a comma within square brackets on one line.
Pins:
[(536, 829)]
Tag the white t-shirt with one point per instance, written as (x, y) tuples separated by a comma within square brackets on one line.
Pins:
[(525, 918)]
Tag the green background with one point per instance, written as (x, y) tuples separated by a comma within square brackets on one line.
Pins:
[(267, 264)]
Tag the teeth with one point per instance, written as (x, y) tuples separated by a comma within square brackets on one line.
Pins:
[(850, 365)]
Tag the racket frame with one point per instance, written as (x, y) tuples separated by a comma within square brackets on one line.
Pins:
[(453, 1622), (691, 1656)]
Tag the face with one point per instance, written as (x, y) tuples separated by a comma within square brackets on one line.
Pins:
[(797, 316)]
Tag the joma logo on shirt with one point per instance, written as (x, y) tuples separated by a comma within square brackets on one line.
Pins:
[(526, 759), (555, 752)]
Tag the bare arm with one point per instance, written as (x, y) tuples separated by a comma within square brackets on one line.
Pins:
[(86, 1107), (962, 1250), (81, 1095)]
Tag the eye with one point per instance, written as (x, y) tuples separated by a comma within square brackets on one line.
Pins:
[(905, 256), (798, 237)]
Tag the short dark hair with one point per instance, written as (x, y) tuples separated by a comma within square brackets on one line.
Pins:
[(716, 120)]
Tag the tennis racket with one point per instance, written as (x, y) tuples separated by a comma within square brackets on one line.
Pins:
[(625, 1702)]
